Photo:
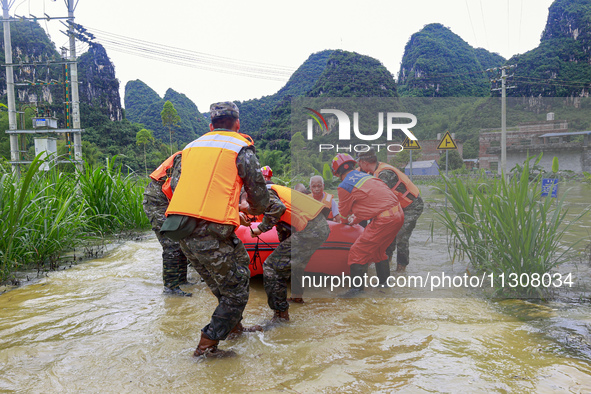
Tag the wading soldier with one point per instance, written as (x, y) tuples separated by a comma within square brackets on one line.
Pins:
[(365, 197), (156, 198), (301, 229), (410, 201), (203, 213)]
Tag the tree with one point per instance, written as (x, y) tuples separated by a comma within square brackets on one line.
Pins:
[(144, 137), (170, 119), (403, 157), (455, 160)]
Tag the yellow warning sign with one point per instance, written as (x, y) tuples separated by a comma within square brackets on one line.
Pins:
[(447, 142), (411, 144)]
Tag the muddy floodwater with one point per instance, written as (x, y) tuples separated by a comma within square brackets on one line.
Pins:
[(105, 326)]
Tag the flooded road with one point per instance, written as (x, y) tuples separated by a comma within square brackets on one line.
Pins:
[(104, 326)]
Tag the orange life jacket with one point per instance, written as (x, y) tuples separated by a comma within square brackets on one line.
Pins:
[(402, 178), (327, 201), (209, 186), (161, 174), (300, 208)]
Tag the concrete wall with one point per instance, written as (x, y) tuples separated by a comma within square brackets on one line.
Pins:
[(567, 160), (526, 139)]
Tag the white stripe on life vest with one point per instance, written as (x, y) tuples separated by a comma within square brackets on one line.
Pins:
[(219, 137), (232, 144)]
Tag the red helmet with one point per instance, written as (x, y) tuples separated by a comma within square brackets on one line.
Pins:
[(267, 172), (342, 161)]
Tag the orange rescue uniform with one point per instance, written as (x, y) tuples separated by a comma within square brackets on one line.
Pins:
[(368, 197)]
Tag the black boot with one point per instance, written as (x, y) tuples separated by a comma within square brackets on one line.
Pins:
[(383, 271), (357, 271), (176, 291)]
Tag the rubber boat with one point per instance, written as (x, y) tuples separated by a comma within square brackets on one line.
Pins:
[(330, 258)]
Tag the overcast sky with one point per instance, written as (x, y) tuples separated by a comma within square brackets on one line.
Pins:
[(277, 35)]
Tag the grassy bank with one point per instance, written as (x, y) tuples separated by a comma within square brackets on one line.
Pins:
[(46, 213)]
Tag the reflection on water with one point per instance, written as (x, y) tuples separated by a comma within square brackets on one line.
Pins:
[(105, 326)]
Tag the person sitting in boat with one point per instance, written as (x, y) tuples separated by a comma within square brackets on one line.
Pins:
[(332, 207), (365, 197), (301, 230)]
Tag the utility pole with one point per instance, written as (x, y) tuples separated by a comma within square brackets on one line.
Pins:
[(74, 80), (14, 148), (48, 127), (503, 89)]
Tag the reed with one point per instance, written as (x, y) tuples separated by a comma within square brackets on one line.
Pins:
[(40, 218), (46, 213), (505, 226), (114, 200)]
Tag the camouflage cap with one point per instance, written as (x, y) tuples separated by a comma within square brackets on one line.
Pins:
[(367, 155), (225, 108)]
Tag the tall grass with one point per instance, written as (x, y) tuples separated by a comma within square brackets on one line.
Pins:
[(45, 213), (504, 226), (114, 200), (40, 218)]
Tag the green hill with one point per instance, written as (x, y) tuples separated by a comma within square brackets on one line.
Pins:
[(99, 88), (254, 113), (143, 105), (346, 74), (439, 63), (561, 65), (349, 74), (193, 123)]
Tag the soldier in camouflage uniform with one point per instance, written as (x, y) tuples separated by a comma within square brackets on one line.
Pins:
[(174, 262), (368, 163), (292, 255), (213, 248)]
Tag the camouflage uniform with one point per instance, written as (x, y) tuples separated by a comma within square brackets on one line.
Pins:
[(411, 215), (174, 262), (219, 256), (291, 256)]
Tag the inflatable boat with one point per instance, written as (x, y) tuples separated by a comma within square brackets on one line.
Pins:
[(330, 258)]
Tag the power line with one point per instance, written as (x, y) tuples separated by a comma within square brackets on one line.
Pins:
[(508, 29), (187, 58), (572, 84), (226, 59), (484, 24), (520, 17), (471, 24)]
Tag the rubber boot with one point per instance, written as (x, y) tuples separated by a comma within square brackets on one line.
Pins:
[(176, 291), (383, 271), (280, 317), (357, 271), (296, 300), (209, 348), (400, 268)]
